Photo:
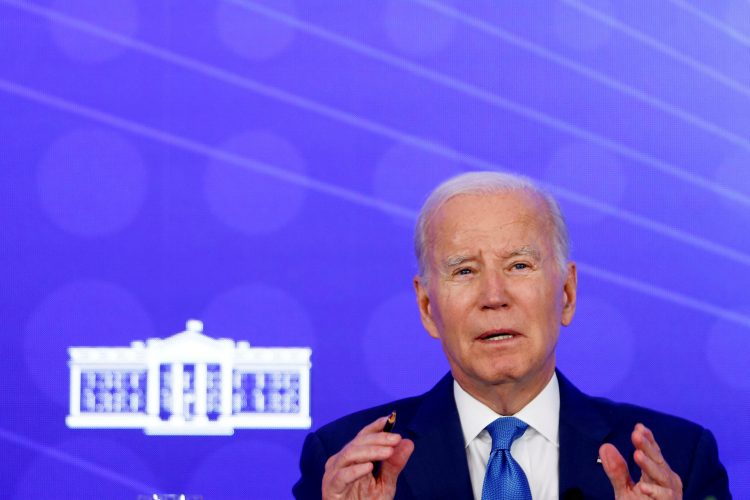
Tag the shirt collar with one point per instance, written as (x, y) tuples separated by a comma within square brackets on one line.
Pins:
[(541, 413)]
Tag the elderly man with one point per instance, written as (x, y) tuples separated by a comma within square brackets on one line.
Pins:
[(494, 285)]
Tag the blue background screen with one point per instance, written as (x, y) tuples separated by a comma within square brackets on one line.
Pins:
[(258, 165)]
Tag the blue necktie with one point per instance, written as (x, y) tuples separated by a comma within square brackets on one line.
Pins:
[(505, 479)]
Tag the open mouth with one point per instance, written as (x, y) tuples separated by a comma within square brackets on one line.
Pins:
[(497, 335)]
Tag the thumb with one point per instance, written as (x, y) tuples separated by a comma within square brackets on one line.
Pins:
[(397, 461), (616, 468)]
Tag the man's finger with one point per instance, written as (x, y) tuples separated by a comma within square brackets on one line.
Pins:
[(655, 491), (649, 435), (616, 468), (392, 467), (652, 471), (356, 454), (379, 438), (355, 460), (649, 458), (371, 434), (643, 439), (658, 479), (376, 426), (343, 478)]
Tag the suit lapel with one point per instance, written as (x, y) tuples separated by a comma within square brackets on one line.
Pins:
[(583, 429), (438, 467)]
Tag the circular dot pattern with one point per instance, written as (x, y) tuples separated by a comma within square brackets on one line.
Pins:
[(405, 176), (267, 471), (736, 14), (80, 314), (733, 173), (588, 171), (727, 346), (579, 31), (400, 356), (597, 351), (117, 16), (92, 182), (417, 30), (252, 35), (247, 200), (263, 315)]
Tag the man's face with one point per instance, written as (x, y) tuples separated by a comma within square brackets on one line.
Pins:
[(494, 293)]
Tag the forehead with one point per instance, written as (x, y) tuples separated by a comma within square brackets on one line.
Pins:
[(516, 217)]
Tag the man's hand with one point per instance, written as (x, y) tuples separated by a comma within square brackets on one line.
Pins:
[(348, 473), (657, 479)]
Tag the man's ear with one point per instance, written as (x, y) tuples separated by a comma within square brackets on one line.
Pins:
[(425, 306), (569, 294)]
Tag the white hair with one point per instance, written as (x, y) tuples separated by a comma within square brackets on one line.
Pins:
[(486, 183)]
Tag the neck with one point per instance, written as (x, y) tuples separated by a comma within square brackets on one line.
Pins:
[(508, 397)]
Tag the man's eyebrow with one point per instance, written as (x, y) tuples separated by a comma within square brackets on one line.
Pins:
[(524, 251), (456, 260)]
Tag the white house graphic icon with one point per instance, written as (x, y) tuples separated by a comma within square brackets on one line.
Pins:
[(190, 383)]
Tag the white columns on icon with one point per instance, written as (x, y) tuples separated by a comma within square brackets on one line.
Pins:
[(189, 383), (152, 389), (178, 410), (201, 393)]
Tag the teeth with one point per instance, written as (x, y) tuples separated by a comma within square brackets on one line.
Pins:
[(501, 337)]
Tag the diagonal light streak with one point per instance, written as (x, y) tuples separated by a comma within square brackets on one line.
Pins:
[(646, 223), (503, 103), (80, 463), (660, 47), (384, 131), (203, 149), (665, 294), (333, 190), (251, 85), (712, 21), (586, 71)]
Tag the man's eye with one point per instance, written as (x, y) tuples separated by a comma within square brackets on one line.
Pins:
[(464, 271), (520, 266)]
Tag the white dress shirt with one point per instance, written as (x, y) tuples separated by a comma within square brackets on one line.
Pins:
[(537, 451)]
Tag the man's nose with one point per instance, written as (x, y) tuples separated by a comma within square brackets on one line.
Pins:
[(494, 293)]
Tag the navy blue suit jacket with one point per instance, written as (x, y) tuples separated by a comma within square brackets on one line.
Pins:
[(438, 468)]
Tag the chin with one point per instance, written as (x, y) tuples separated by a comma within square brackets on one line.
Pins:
[(499, 375)]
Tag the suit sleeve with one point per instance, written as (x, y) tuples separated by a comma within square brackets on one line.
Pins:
[(312, 466), (707, 478)]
